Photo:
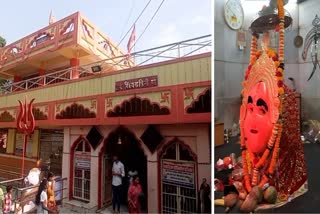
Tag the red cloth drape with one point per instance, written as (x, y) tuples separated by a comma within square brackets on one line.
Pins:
[(133, 198), (291, 171)]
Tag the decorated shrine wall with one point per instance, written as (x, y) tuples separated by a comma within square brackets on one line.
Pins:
[(71, 37), (230, 62), (174, 92), (53, 37), (310, 91)]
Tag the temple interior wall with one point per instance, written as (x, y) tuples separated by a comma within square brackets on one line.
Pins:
[(230, 62)]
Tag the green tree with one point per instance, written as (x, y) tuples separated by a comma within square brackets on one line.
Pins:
[(3, 42)]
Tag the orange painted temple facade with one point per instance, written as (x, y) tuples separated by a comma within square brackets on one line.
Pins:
[(156, 117)]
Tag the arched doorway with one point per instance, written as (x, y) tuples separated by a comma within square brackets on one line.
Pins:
[(178, 178), (80, 169), (126, 146)]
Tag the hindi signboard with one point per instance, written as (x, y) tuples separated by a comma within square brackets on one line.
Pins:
[(82, 161), (143, 82), (178, 173)]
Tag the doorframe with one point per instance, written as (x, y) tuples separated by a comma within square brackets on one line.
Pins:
[(161, 151), (103, 181), (100, 160), (101, 154)]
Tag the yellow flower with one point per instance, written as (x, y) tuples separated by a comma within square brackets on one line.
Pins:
[(253, 59), (281, 91)]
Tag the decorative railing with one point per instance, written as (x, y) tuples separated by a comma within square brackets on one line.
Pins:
[(173, 51), (150, 56), (23, 198), (52, 37), (74, 29)]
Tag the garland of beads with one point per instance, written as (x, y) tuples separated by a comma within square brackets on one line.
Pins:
[(274, 141), (281, 49)]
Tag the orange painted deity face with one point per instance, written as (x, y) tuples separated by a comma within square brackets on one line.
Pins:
[(257, 123)]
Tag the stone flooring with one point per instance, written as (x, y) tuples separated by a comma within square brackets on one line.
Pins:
[(66, 209)]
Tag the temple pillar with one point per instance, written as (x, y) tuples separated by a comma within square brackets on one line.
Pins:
[(42, 72), (74, 62), (16, 79)]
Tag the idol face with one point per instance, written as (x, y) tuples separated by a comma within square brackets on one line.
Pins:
[(257, 123)]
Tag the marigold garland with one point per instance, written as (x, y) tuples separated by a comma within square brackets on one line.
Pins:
[(250, 167)]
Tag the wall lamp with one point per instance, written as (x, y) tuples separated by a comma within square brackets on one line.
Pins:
[(96, 68)]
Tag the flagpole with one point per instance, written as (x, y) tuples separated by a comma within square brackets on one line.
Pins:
[(51, 18)]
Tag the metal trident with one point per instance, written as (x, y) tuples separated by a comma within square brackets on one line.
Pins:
[(313, 36), (25, 125)]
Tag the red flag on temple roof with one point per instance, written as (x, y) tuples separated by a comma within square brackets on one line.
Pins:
[(51, 18), (132, 39)]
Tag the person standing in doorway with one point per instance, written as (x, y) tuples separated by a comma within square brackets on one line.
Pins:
[(134, 194), (205, 202), (131, 174), (117, 175)]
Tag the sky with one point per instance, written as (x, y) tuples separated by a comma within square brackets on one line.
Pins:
[(177, 20)]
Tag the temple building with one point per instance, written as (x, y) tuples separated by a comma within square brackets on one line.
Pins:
[(94, 101), (266, 77)]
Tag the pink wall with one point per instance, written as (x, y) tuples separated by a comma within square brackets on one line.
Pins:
[(196, 136)]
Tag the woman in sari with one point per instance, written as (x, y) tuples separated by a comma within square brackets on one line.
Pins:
[(41, 198), (51, 194), (134, 192)]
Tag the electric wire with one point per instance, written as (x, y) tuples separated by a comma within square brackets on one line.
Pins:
[(132, 6), (134, 22), (148, 24)]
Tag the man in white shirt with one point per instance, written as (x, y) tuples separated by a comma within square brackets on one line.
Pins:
[(117, 175)]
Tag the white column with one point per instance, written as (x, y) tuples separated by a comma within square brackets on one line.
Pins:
[(94, 172), (153, 179), (66, 159), (203, 153)]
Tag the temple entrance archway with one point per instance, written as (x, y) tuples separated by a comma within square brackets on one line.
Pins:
[(123, 143)]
